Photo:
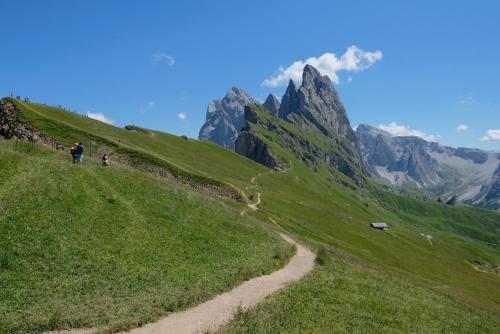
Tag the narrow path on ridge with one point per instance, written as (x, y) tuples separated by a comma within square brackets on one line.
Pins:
[(254, 206)]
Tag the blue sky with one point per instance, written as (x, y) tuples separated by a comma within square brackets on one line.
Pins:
[(147, 62)]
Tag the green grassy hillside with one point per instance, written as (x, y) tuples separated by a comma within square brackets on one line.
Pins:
[(88, 246), (342, 298), (324, 210), (191, 156), (314, 205)]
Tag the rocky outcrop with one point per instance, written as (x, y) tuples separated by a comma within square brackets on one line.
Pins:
[(320, 103), (289, 101), (321, 133), (11, 127), (465, 173), (253, 147), (272, 104), (452, 200), (137, 129), (225, 118)]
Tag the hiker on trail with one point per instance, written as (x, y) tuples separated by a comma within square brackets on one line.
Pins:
[(73, 152), (105, 161), (79, 153)]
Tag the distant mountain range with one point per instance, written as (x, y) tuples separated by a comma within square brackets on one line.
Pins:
[(312, 123), (472, 175)]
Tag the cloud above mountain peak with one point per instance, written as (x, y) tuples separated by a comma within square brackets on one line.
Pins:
[(397, 130), (353, 60)]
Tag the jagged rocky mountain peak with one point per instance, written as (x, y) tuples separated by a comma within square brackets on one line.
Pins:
[(311, 77), (291, 86), (314, 108), (289, 101), (321, 104), (272, 104), (224, 117), (238, 94)]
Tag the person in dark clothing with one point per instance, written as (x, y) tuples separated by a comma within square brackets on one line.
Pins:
[(79, 153), (105, 160)]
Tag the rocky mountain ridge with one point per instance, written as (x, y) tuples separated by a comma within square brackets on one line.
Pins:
[(472, 175), (321, 132), (272, 104), (225, 118)]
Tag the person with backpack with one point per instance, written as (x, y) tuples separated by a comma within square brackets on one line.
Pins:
[(79, 153)]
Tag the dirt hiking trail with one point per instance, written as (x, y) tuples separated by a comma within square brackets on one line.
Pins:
[(220, 310)]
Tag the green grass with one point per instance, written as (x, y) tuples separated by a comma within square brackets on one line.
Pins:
[(314, 207), (85, 246), (196, 157), (343, 298), (309, 205)]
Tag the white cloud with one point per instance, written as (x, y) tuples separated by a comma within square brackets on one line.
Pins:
[(181, 116), (100, 117), (151, 104), (159, 56), (403, 130), (353, 60), (491, 134), (461, 128)]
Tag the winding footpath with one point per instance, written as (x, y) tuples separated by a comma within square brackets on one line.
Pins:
[(220, 310)]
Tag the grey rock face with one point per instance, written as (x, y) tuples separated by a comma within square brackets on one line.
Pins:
[(320, 103), (251, 146), (225, 118), (471, 175), (289, 101), (272, 104), (321, 133), (474, 154), (492, 190)]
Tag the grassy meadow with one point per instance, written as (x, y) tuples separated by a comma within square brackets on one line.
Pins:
[(340, 297), (87, 246), (372, 281)]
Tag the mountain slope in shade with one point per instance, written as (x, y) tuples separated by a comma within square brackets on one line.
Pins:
[(472, 175), (225, 118)]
